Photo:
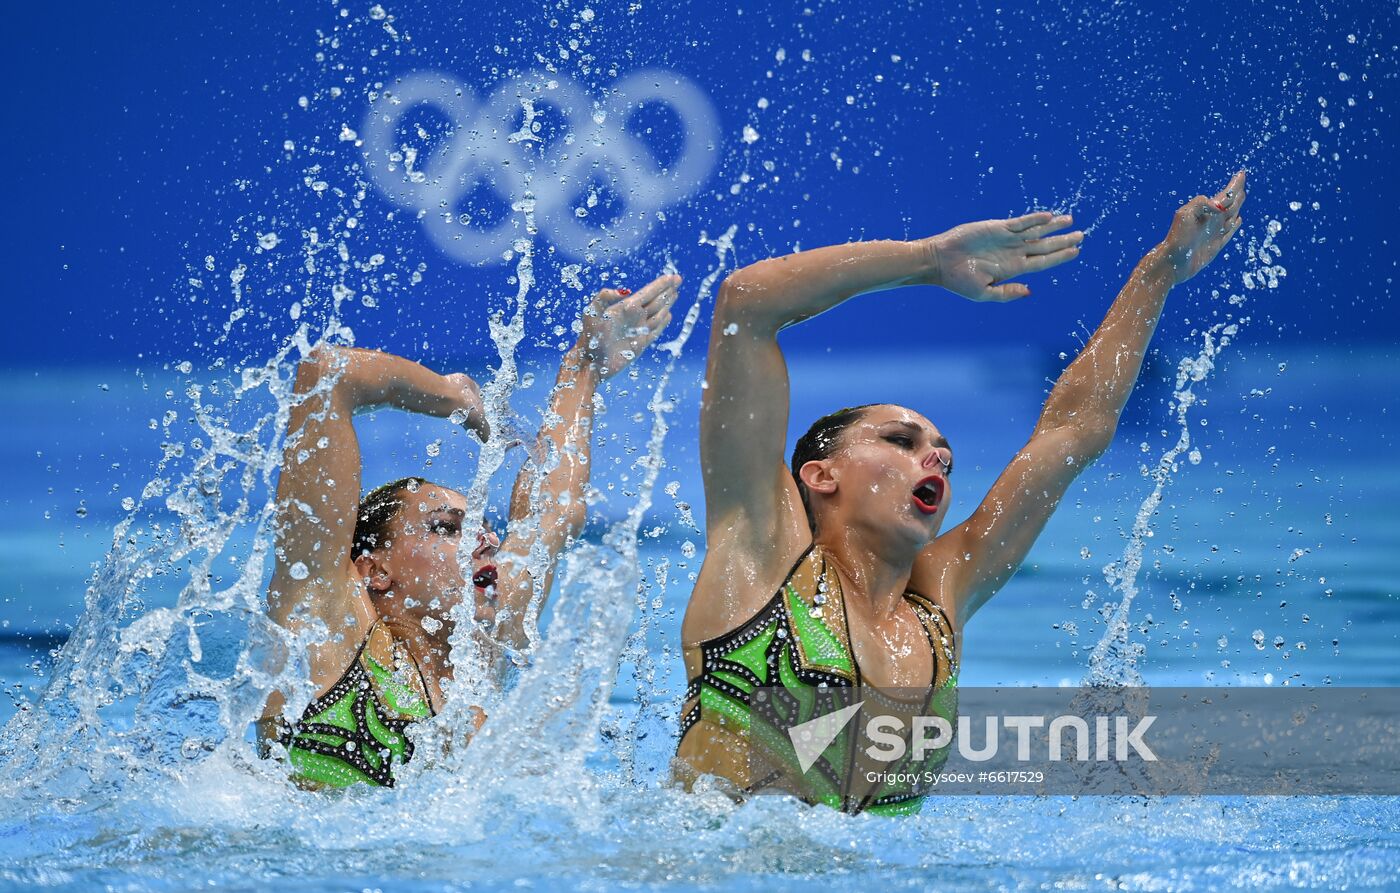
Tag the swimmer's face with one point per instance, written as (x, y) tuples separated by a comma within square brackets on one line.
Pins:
[(421, 558), (890, 471)]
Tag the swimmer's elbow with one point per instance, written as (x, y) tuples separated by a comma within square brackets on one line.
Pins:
[(741, 302), (1077, 444), (323, 361), (732, 301), (334, 371), (575, 519), (1093, 438)]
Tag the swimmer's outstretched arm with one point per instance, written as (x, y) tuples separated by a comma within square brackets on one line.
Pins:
[(1080, 416), (547, 505), (318, 492), (752, 504), (974, 260)]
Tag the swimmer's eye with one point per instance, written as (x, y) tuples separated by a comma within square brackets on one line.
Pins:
[(901, 440), (446, 528)]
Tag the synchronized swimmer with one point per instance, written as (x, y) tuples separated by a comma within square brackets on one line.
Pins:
[(828, 571), (832, 570), (378, 577)]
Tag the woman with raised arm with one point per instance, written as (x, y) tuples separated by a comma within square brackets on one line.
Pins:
[(373, 580), (831, 572)]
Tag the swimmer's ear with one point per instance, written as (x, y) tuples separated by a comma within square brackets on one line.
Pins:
[(818, 477), (375, 575)]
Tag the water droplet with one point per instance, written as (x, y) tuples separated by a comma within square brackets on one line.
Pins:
[(298, 571), (267, 241)]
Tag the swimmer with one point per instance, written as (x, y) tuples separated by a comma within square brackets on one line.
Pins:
[(833, 571), (380, 576)]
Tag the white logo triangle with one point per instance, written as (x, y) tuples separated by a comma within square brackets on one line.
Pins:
[(812, 737)]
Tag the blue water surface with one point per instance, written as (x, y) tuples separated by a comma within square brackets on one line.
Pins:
[(1224, 561)]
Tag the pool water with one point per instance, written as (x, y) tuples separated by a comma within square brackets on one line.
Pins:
[(1223, 562)]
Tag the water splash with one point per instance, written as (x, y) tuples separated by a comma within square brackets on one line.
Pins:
[(1114, 660)]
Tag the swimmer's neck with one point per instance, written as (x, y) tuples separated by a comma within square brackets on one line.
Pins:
[(431, 651), (874, 570)]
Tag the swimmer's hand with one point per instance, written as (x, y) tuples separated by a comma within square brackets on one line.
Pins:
[(975, 260), (618, 325), (1201, 228), (471, 413)]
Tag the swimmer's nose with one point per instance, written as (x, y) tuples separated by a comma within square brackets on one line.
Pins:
[(938, 457), (486, 543)]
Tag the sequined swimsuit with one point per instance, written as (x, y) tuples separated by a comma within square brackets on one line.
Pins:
[(799, 646), (355, 731)]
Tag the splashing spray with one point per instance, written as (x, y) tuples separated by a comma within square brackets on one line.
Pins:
[(1114, 660)]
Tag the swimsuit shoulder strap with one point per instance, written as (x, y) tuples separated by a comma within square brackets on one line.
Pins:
[(939, 630), (809, 605), (723, 640), (396, 674)]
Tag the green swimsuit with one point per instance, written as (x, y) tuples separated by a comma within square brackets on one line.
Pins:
[(798, 647), (355, 732)]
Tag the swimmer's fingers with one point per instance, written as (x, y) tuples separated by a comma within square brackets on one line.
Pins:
[(1054, 243), (661, 307), (661, 291), (1041, 230), (1232, 196), (1202, 209), (603, 301), (1039, 262), (657, 289), (1007, 291), (1027, 221), (650, 329), (657, 324)]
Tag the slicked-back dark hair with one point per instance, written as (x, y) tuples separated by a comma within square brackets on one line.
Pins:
[(819, 443), (377, 511)]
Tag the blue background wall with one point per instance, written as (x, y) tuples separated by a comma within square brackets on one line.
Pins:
[(133, 128)]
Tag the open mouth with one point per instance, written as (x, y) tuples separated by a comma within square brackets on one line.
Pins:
[(485, 577), (929, 494)]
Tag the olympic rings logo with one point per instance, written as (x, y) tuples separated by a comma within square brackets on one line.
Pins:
[(480, 149)]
